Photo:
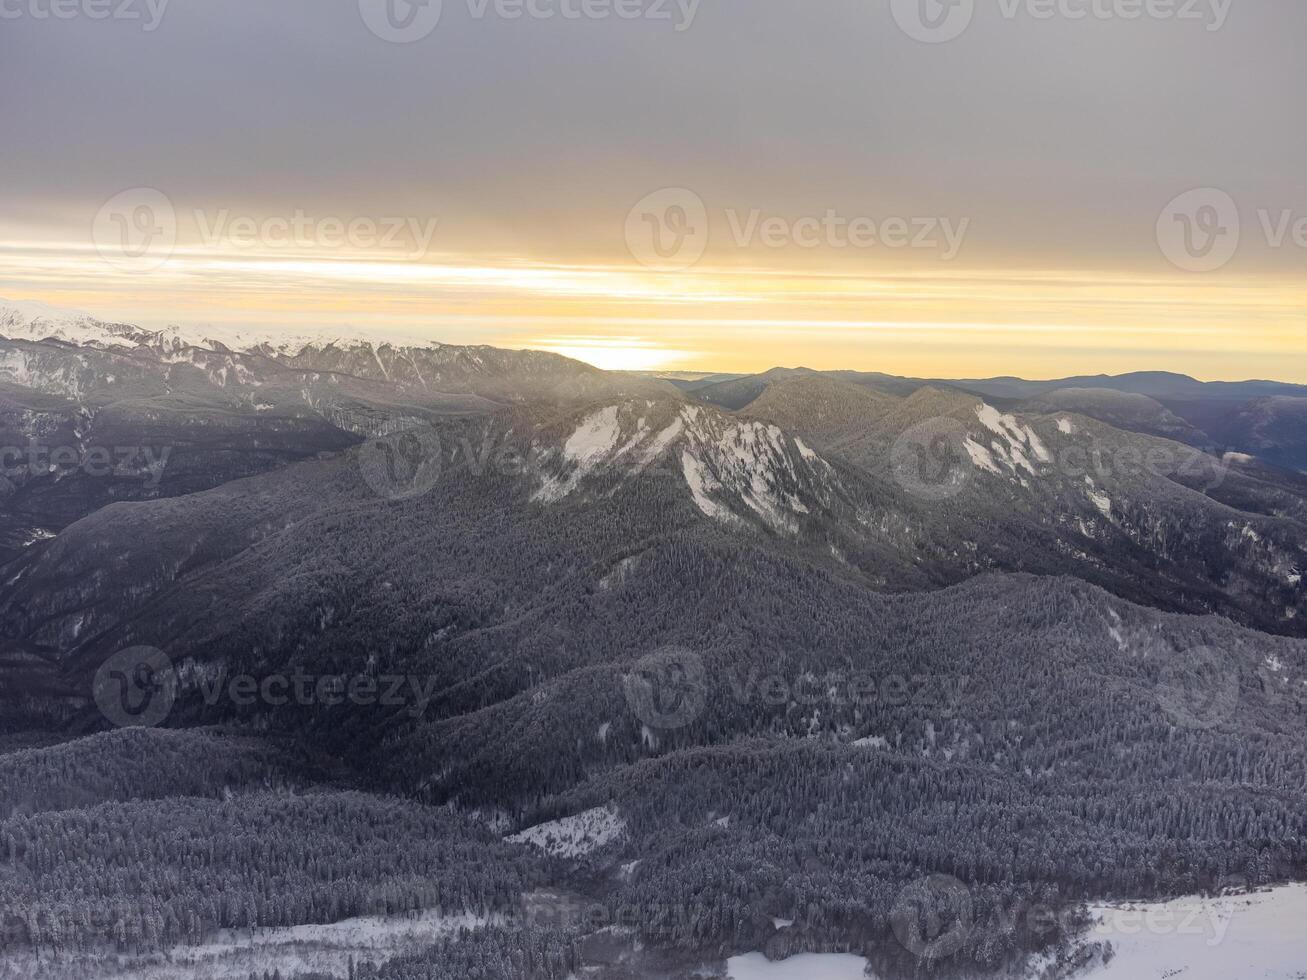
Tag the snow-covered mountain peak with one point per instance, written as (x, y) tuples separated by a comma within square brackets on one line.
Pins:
[(734, 469), (30, 320)]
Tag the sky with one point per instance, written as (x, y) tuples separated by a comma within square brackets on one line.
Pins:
[(941, 188)]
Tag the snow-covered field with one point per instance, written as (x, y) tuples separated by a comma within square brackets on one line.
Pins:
[(809, 966), (1245, 937), (235, 956)]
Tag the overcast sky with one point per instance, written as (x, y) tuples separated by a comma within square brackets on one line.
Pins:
[(1057, 141)]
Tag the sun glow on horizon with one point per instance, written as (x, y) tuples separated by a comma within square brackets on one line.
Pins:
[(932, 321), (615, 353)]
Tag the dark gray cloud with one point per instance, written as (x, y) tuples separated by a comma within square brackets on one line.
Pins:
[(1061, 139)]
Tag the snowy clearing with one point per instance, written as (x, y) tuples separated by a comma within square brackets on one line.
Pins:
[(809, 966), (1240, 937), (324, 949), (1249, 937), (574, 836)]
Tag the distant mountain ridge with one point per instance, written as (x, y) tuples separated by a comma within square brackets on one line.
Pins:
[(36, 321), (87, 360), (1155, 384), (1257, 417)]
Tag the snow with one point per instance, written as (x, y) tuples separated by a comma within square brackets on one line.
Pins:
[(621, 571), (324, 949), (1102, 501), (595, 438), (808, 966), (593, 442), (37, 321), (373, 932), (873, 742), (749, 461), (999, 424), (1010, 446), (804, 451), (700, 482), (33, 321), (664, 439), (1251, 937), (1037, 447), (981, 457), (1019, 460), (575, 836), (723, 459), (34, 310), (1242, 937), (1065, 427), (990, 418)]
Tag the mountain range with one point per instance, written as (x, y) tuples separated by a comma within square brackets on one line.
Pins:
[(842, 631)]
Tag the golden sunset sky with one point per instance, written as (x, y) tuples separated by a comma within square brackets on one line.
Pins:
[(933, 323)]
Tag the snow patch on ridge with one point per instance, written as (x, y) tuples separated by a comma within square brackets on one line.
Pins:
[(700, 482), (753, 463), (595, 438), (981, 457), (594, 443), (1013, 445), (999, 424), (664, 439), (733, 468), (1036, 446), (575, 836)]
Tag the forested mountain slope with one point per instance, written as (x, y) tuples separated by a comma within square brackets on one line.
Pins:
[(619, 628)]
